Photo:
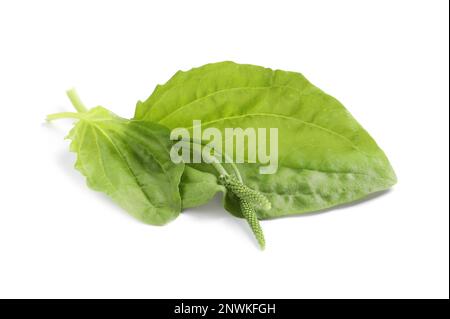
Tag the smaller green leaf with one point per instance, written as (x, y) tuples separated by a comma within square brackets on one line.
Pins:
[(129, 161)]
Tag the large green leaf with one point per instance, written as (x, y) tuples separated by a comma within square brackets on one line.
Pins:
[(130, 162), (325, 156)]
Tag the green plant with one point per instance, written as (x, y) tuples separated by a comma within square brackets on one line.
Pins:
[(325, 157)]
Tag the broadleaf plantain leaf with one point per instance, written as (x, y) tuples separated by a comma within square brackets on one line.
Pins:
[(130, 162), (326, 157)]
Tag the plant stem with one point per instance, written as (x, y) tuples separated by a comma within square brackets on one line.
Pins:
[(76, 101), (214, 161), (64, 115), (225, 155)]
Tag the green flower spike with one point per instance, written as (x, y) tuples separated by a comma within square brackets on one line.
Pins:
[(250, 215), (248, 200), (255, 198)]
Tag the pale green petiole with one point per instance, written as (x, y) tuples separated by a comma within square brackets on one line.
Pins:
[(64, 115), (212, 159), (221, 170), (77, 104), (76, 101)]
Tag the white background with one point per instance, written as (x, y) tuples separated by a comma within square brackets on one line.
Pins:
[(387, 61)]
